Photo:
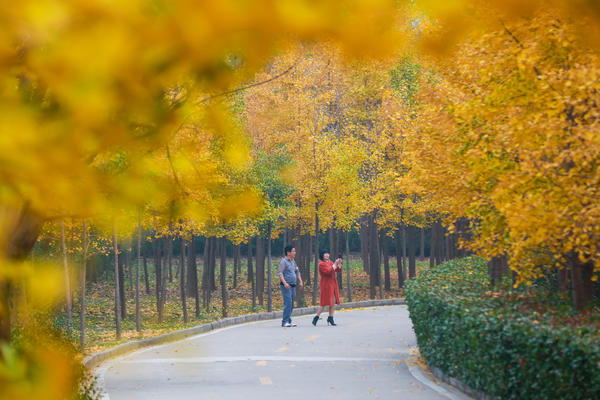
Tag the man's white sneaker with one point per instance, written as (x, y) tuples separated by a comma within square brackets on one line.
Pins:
[(287, 325)]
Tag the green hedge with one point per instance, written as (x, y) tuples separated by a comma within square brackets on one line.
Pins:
[(508, 344)]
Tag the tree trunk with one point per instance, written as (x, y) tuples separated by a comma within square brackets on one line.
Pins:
[(439, 251), (303, 251), (192, 269), (373, 256), (138, 324), (304, 255), (223, 273), (422, 249), (162, 259), (20, 242), (339, 238), (432, 245), (497, 268), (82, 289), (260, 268), (205, 267), (581, 277), (117, 297), (5, 315), (182, 280), (128, 265), (67, 277), (158, 278), (169, 249), (236, 264), (251, 274), (316, 269), (386, 261), (364, 244), (249, 267), (238, 252), (298, 242), (446, 245), (123, 269), (379, 269), (348, 281), (455, 248), (193, 265), (23, 236), (412, 262), (404, 259), (122, 293), (333, 251), (146, 279), (214, 251), (269, 291), (308, 258), (563, 280), (399, 261)]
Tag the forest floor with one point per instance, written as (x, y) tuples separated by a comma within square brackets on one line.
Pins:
[(100, 317)]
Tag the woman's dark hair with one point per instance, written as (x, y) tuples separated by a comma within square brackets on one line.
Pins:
[(288, 249), (340, 256), (322, 254)]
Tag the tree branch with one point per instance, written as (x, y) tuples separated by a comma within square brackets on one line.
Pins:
[(538, 73), (175, 172), (241, 89)]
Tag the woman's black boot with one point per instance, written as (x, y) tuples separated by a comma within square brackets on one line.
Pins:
[(330, 321), (315, 319)]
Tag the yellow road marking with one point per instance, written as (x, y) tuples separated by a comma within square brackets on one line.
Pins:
[(313, 337), (265, 380), (261, 363), (279, 350)]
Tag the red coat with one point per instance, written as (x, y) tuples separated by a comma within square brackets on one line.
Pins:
[(329, 285)]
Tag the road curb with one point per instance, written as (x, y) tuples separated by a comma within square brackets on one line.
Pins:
[(94, 360), (476, 394)]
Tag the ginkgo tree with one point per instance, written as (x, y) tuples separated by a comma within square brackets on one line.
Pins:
[(508, 139), (68, 111), (83, 83)]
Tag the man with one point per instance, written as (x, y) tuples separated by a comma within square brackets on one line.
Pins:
[(289, 275)]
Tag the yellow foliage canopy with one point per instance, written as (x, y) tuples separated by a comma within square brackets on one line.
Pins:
[(507, 136)]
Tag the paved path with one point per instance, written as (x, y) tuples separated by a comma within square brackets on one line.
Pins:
[(369, 355)]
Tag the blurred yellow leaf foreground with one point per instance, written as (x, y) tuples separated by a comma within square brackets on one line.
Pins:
[(135, 133)]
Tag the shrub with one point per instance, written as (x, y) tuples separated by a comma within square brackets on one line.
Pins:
[(511, 344)]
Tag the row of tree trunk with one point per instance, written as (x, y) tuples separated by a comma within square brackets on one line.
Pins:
[(576, 274), (375, 252), (375, 248)]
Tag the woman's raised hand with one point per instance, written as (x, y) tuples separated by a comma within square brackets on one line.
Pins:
[(338, 264)]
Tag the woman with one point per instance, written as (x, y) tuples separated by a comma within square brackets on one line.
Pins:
[(330, 295)]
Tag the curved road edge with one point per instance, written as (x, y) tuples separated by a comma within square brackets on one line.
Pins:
[(94, 360), (442, 387)]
